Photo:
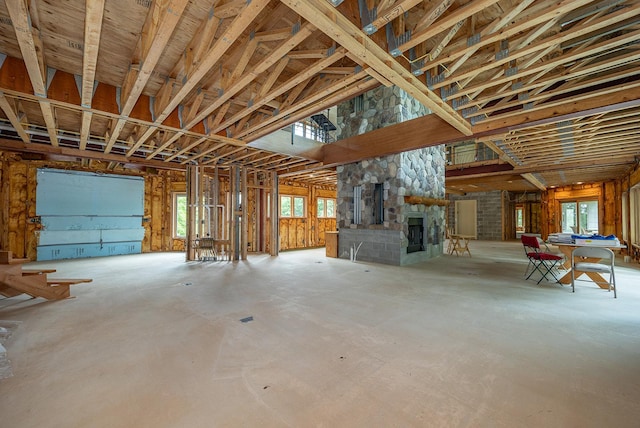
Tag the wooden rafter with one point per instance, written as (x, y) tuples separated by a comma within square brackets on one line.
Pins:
[(161, 22), (13, 118), (222, 44), (313, 98), (344, 32), (445, 23), (240, 82), (266, 94), (539, 80)]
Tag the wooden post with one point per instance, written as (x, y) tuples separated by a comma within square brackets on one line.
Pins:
[(215, 202), (244, 213), (192, 179), (275, 216), (234, 178)]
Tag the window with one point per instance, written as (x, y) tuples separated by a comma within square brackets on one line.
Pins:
[(292, 206), (311, 131), (326, 208), (179, 215), (579, 217), (519, 218)]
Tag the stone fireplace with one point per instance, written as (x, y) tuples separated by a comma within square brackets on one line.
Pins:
[(388, 207), (391, 207)]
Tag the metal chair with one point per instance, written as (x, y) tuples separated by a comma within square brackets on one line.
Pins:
[(541, 261), (597, 260)]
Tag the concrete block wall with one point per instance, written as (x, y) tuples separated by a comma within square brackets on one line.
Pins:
[(489, 213), (378, 246)]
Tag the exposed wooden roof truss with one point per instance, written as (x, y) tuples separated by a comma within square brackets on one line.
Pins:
[(166, 83)]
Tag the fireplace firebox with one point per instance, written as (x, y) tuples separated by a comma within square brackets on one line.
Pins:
[(415, 235)]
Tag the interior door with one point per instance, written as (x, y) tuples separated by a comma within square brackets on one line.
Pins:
[(466, 218)]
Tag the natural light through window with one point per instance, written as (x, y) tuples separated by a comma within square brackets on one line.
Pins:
[(180, 215), (292, 206), (326, 208)]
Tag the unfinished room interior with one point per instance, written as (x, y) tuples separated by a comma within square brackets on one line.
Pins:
[(294, 213)]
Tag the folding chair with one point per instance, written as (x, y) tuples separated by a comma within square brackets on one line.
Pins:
[(450, 240), (594, 259), (540, 261)]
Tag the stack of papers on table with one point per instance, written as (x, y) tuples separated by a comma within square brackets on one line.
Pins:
[(561, 238)]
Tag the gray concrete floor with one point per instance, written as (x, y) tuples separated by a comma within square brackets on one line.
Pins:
[(455, 342)]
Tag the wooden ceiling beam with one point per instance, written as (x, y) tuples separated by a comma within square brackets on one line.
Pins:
[(446, 39), (387, 11), (294, 163), (188, 147), (578, 86), (308, 54), (220, 156), (344, 32), (10, 112), (49, 116), (198, 46), (560, 76), (262, 158), (94, 11), (543, 164), (337, 97), (252, 152), (305, 102), (85, 128), (162, 20), (31, 47), (563, 59), (203, 153), (397, 138), (585, 165), (621, 143), (615, 92), (240, 83), (264, 97), (20, 146), (545, 17), (446, 22), (175, 137), (582, 134), (239, 24)]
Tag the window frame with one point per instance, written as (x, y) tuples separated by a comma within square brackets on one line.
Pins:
[(324, 211), (174, 215), (292, 199)]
